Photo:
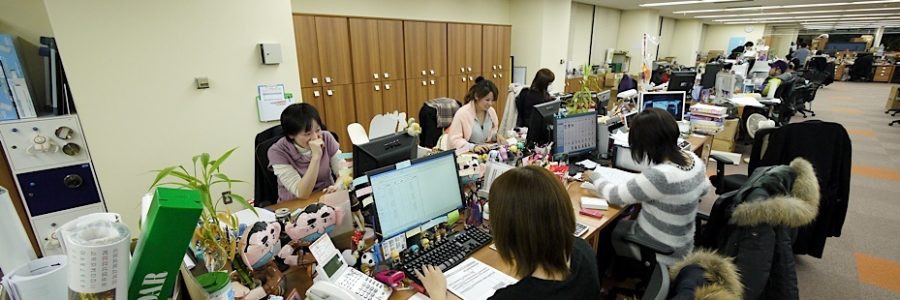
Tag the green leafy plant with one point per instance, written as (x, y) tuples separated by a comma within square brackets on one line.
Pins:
[(215, 233), (581, 101)]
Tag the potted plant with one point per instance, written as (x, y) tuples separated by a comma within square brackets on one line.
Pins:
[(215, 238), (581, 101)]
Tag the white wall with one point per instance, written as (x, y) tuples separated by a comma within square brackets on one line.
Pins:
[(632, 26), (782, 38), (540, 31), (28, 20), (687, 36), (580, 33), (717, 36), (132, 64), (472, 11), (666, 38), (556, 39), (606, 33)]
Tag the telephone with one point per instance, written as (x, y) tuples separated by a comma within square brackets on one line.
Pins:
[(324, 289), (337, 280)]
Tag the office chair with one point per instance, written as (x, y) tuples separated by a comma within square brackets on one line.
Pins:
[(862, 68), (726, 183), (807, 93), (265, 190), (893, 114)]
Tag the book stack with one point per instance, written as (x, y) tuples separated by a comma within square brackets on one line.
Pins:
[(707, 119)]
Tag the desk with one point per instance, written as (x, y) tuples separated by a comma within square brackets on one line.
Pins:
[(701, 145), (298, 279)]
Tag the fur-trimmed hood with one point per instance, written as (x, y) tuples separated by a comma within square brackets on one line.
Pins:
[(719, 271), (794, 210)]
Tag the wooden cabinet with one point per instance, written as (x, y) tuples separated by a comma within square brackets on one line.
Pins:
[(463, 58), (334, 50), (377, 49), (340, 109), (838, 72), (573, 85), (458, 86), (394, 96), (307, 51), (496, 60), (426, 62), (883, 74), (376, 98), (314, 97), (420, 90)]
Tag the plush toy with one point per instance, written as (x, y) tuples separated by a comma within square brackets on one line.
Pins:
[(367, 263), (306, 227), (257, 247), (493, 156)]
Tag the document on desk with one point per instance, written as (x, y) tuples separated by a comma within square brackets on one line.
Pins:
[(614, 176), (745, 101), (475, 280)]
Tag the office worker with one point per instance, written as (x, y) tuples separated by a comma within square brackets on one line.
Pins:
[(770, 86), (668, 191), (801, 54), (305, 158), (475, 124), (738, 51), (531, 96), (532, 221)]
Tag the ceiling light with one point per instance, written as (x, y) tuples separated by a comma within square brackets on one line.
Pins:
[(798, 12), (760, 8), (874, 16), (686, 2)]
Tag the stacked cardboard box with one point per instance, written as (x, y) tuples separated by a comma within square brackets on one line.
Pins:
[(724, 140)]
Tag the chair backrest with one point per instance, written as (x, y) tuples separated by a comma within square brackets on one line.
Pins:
[(357, 134), (759, 148), (265, 190), (658, 287), (382, 125)]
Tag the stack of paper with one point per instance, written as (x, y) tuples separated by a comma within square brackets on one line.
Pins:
[(594, 203)]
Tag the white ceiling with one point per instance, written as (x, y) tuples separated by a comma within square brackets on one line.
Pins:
[(855, 15)]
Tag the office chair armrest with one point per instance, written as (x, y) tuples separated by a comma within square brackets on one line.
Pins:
[(702, 216), (650, 243), (720, 160)]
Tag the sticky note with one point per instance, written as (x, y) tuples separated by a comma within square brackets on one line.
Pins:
[(360, 180), (403, 164), (367, 201), (413, 232), (364, 192), (453, 217)]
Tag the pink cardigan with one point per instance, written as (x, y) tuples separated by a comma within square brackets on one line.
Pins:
[(461, 128)]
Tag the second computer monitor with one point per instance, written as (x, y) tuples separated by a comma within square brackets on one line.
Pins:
[(672, 102), (576, 134), (421, 193), (383, 151), (682, 81), (539, 123)]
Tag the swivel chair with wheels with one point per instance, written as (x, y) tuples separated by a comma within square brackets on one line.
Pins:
[(893, 114)]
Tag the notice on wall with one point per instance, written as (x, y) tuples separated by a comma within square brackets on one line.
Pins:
[(271, 101)]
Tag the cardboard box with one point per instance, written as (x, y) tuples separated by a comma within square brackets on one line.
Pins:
[(723, 145), (893, 101), (609, 80), (729, 131)]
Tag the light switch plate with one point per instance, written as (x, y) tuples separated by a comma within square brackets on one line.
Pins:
[(201, 82), (270, 53)]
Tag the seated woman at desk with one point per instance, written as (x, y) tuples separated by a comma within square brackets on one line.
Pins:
[(668, 191), (532, 221), (531, 96), (475, 124), (306, 157)]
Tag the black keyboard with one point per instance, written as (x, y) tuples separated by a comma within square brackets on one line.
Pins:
[(448, 253)]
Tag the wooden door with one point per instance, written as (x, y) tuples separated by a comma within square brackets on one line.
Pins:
[(307, 50), (437, 49), (416, 95), (437, 87), (489, 51), (504, 71), (458, 86), (390, 44), (314, 97), (473, 45), (334, 50), (415, 45), (393, 96), (368, 102), (458, 49), (364, 49), (340, 112)]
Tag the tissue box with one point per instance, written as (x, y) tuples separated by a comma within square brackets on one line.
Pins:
[(594, 203)]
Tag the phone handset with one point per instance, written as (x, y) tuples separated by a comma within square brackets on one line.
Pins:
[(324, 289)]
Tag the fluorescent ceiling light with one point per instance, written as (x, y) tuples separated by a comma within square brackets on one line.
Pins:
[(685, 2), (875, 16), (808, 12), (802, 21), (760, 8)]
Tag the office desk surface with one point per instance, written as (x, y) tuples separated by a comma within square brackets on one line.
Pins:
[(298, 279)]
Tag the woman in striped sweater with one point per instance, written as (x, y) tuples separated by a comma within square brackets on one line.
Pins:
[(668, 191)]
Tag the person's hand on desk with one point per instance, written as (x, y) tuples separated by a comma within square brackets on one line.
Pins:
[(590, 176), (481, 149), (434, 281), (330, 189)]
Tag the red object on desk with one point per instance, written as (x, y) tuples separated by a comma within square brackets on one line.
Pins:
[(591, 213)]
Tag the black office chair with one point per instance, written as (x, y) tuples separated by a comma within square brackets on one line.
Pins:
[(862, 68), (726, 183), (265, 190), (893, 114)]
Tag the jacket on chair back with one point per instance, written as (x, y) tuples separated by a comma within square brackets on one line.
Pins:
[(755, 225)]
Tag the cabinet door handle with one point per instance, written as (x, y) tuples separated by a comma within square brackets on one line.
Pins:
[(432, 82), (386, 75), (494, 76), (329, 92), (375, 75), (316, 94), (470, 69), (461, 69), (493, 67), (464, 78), (500, 67), (470, 78), (501, 75), (387, 86), (377, 87), (315, 80), (327, 79), (432, 72), (424, 83), (424, 73)]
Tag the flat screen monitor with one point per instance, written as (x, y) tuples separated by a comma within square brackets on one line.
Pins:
[(682, 81), (420, 193), (539, 123), (383, 151), (672, 102), (708, 80), (575, 134), (602, 99)]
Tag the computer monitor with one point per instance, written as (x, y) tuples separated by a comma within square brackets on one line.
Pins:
[(539, 123), (672, 102), (407, 197), (575, 134), (682, 81), (383, 151), (602, 99), (708, 79)]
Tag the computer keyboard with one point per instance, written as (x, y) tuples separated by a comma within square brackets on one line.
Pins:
[(449, 253)]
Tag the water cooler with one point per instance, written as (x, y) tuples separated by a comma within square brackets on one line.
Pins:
[(52, 168)]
